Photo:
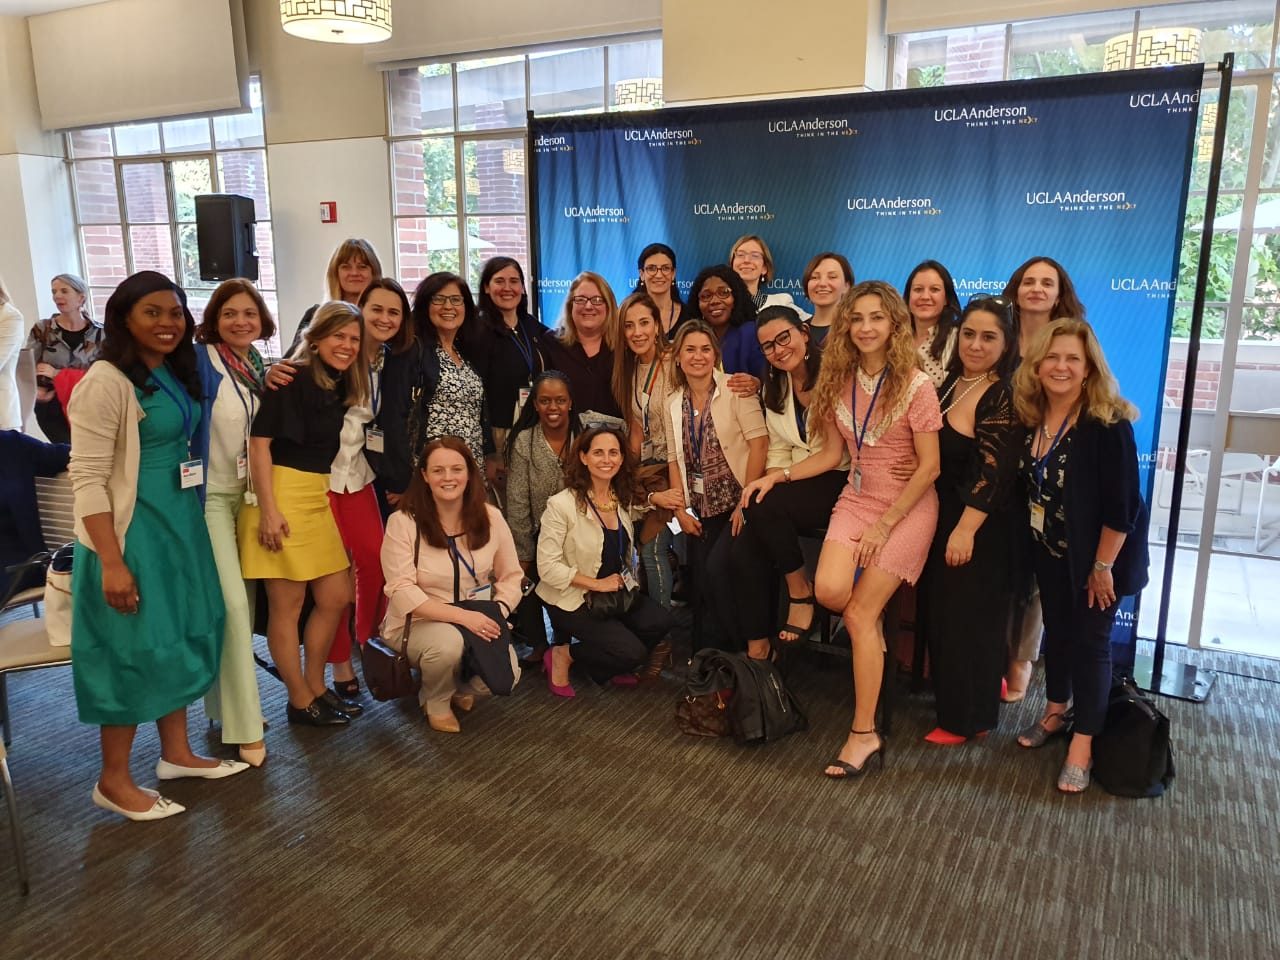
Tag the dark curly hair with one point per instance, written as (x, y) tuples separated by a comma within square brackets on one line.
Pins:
[(578, 479), (744, 308), (119, 348)]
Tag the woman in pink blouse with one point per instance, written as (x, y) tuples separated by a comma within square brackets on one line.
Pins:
[(443, 522), (873, 400)]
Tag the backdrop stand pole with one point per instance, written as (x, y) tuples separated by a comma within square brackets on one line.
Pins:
[(532, 289), (1184, 681)]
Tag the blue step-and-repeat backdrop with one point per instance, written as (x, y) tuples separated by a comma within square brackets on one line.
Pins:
[(1091, 171)]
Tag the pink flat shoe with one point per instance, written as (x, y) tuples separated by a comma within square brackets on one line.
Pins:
[(565, 690)]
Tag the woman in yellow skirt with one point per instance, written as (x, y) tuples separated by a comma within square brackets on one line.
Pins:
[(288, 537)]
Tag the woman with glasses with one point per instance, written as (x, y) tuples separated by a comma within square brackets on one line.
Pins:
[(719, 298), (752, 260), (769, 543), (718, 445), (509, 347), (1087, 518), (826, 278), (935, 312), (643, 380), (537, 449), (971, 556), (584, 343), (657, 265), (876, 404)]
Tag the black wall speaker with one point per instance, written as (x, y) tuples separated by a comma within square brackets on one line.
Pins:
[(224, 234)]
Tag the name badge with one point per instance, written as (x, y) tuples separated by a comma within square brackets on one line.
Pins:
[(629, 580), (190, 474), (373, 439), (483, 592), (697, 485), (646, 451), (1037, 517), (521, 398), (242, 467)]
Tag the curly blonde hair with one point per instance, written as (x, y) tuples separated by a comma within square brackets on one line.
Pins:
[(840, 356), (1100, 397)]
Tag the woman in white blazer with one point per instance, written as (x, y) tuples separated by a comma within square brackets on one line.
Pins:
[(11, 338), (769, 544), (586, 558), (718, 444)]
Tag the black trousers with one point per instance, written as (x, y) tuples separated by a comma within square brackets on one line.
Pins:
[(711, 585), (769, 545), (608, 648), (1077, 644)]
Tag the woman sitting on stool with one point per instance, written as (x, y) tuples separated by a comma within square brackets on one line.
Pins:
[(444, 523), (587, 547)]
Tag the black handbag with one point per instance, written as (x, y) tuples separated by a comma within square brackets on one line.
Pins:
[(387, 671), (493, 661), (614, 603), (1132, 757)]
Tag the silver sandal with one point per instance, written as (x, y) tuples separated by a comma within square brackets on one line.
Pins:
[(1073, 779), (1037, 734)]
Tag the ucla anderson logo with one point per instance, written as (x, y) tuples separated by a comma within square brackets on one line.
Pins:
[(991, 115), (1080, 201), (894, 206), (1152, 288), (973, 286), (597, 214), (733, 212), (1170, 101), (813, 128), (545, 143), (663, 136)]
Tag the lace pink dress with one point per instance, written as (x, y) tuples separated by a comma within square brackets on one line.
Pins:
[(889, 438)]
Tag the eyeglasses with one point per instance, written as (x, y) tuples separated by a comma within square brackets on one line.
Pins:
[(1004, 303), (450, 301), (781, 340), (596, 301), (653, 269), (706, 296), (753, 257)]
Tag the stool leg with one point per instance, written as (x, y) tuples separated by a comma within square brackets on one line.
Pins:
[(19, 852), (4, 708)]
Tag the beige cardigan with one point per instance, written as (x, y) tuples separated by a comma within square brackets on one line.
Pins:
[(786, 446), (737, 420), (570, 542), (104, 413)]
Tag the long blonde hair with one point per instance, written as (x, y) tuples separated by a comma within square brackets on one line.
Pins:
[(840, 356), (330, 317), (1100, 397), (568, 333)]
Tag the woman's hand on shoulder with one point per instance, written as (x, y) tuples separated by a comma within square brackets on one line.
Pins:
[(743, 384), (281, 374)]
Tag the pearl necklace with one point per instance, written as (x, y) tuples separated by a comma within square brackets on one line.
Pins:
[(963, 393)]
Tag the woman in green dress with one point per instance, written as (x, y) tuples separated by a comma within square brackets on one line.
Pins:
[(147, 610)]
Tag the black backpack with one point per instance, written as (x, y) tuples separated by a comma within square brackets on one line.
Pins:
[(1132, 756)]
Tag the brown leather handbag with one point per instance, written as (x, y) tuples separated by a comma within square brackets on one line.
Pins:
[(387, 671)]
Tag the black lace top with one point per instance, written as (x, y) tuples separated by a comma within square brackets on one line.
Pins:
[(984, 477)]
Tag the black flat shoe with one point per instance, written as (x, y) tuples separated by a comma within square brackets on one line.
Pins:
[(316, 714), (349, 707)]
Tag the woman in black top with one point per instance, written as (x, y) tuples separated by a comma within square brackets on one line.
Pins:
[(286, 530), (1089, 524), (971, 552), (583, 346)]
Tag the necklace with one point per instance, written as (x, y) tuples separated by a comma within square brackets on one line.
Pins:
[(611, 504), (963, 393), (981, 376)]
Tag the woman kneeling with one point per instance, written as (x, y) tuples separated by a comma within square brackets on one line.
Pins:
[(586, 558), (444, 545)]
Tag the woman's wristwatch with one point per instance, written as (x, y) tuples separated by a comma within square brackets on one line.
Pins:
[(1100, 567)]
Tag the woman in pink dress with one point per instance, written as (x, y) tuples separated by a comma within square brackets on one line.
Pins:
[(871, 398)]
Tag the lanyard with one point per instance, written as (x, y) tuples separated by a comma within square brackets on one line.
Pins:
[(248, 404), (453, 548), (647, 393), (853, 408), (1039, 465), (185, 405), (375, 389), (623, 555), (525, 346), (695, 437)]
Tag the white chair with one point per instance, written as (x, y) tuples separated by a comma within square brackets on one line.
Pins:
[(15, 824)]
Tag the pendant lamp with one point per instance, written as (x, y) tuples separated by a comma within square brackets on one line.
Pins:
[(337, 21)]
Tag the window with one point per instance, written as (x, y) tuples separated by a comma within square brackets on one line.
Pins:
[(135, 189), (458, 143), (1227, 571)]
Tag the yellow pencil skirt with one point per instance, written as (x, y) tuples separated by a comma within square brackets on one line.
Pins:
[(313, 547)]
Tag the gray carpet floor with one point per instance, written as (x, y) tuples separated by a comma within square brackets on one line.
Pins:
[(593, 828)]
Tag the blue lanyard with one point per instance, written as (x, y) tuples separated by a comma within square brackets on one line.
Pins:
[(853, 408), (185, 405), (247, 404), (695, 438), (624, 556), (453, 548), (1041, 464), (524, 345)]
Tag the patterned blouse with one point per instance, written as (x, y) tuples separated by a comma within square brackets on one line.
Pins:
[(721, 488), (534, 474), (936, 369), (48, 344), (455, 409), (1053, 537)]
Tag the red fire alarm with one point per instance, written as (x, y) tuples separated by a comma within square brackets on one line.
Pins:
[(329, 211)]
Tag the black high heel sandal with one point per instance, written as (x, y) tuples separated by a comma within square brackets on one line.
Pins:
[(800, 632), (347, 689), (849, 769)]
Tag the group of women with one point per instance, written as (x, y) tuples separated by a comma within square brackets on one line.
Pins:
[(519, 471)]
